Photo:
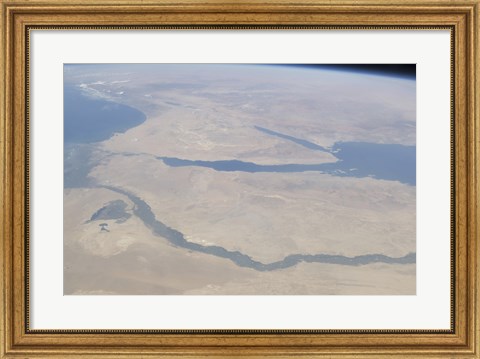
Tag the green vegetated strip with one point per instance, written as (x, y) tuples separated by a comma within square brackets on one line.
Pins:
[(143, 211)]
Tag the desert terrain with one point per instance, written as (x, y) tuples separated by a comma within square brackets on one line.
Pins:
[(223, 188)]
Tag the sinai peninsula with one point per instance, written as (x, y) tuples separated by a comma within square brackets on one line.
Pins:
[(223, 179)]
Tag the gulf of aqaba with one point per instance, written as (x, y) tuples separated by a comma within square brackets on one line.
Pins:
[(239, 179)]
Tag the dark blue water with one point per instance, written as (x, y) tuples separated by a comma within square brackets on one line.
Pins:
[(355, 159), (298, 141), (88, 119), (362, 159), (143, 211), (112, 210), (390, 162)]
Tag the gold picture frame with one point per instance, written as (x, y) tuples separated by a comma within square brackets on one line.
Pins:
[(19, 17)]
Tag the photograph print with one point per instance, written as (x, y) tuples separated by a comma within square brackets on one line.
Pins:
[(239, 179)]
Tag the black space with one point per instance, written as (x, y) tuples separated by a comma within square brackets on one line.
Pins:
[(406, 71)]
